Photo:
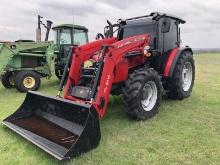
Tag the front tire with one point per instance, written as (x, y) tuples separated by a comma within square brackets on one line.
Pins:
[(180, 85), (8, 80), (27, 80), (142, 94)]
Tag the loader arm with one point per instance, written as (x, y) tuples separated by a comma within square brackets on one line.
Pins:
[(80, 55), (112, 55), (5, 56)]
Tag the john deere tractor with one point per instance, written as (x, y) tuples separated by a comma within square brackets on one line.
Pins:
[(24, 62), (67, 35)]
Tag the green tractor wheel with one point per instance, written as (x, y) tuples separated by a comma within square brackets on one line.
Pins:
[(8, 80), (27, 80)]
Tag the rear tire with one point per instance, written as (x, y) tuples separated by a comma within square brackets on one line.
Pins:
[(142, 94), (27, 80), (8, 80), (181, 84)]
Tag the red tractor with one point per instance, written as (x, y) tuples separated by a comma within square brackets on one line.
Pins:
[(144, 59)]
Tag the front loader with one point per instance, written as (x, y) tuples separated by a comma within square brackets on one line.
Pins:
[(144, 58)]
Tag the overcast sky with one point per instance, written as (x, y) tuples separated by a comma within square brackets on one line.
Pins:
[(18, 18)]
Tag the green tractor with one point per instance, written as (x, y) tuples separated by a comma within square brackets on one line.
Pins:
[(67, 35), (24, 62)]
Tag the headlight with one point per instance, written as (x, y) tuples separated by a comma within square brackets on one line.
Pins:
[(147, 47), (146, 51)]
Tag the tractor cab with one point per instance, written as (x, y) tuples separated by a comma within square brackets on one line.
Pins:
[(67, 35), (163, 29)]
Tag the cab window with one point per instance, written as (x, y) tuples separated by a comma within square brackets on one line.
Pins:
[(65, 36), (80, 37)]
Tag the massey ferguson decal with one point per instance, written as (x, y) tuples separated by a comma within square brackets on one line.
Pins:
[(107, 83), (130, 41)]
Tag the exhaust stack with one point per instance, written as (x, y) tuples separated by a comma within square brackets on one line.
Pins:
[(38, 30), (47, 27)]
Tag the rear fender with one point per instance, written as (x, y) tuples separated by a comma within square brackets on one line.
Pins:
[(172, 60)]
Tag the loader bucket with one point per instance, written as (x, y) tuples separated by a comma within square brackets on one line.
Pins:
[(61, 127)]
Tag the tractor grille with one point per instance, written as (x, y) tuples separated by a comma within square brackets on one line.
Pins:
[(28, 62)]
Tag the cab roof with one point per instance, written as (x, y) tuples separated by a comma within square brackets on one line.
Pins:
[(156, 16), (80, 27)]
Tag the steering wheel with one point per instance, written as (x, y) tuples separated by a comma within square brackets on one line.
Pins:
[(99, 36)]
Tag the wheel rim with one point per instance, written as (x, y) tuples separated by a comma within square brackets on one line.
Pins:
[(29, 82), (187, 76), (149, 96)]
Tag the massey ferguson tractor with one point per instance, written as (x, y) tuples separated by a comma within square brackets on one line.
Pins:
[(138, 58)]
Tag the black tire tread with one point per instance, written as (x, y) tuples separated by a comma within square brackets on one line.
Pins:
[(5, 80), (174, 84), (20, 77), (131, 92)]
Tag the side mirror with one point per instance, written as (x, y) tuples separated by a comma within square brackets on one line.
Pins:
[(107, 33), (99, 36), (165, 25)]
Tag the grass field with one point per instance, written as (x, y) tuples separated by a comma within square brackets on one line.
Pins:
[(183, 132)]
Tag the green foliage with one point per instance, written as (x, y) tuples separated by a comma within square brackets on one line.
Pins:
[(183, 132)]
